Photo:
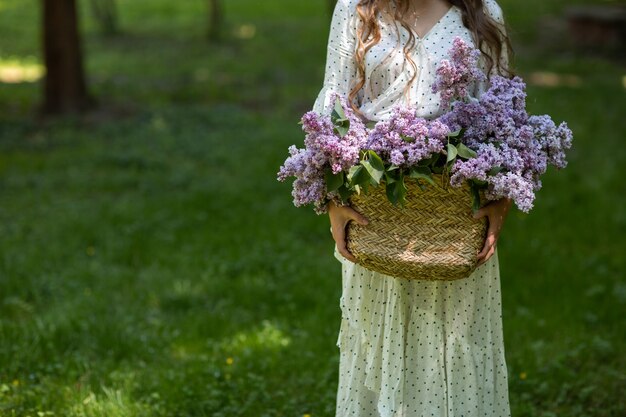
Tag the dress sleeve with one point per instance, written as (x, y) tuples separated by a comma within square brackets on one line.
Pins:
[(493, 10), (341, 69)]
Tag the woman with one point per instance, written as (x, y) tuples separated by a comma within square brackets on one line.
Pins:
[(415, 347)]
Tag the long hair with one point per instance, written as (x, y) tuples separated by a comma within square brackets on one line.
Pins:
[(485, 31)]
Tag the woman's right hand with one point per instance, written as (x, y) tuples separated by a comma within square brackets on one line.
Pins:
[(339, 218)]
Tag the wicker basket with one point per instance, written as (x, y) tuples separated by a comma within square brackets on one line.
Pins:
[(434, 237)]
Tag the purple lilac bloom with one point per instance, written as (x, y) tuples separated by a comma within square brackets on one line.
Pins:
[(512, 148), (455, 76), (405, 139), (323, 148), (512, 186), (554, 140), (524, 144), (512, 159), (476, 168), (496, 116)]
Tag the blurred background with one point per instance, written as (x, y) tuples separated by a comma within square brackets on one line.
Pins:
[(151, 264)]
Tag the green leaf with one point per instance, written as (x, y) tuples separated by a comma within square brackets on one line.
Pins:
[(426, 162), (422, 173), (373, 172), (358, 175), (396, 192), (333, 181), (374, 165), (407, 138), (352, 171), (475, 197), (390, 177), (338, 115), (455, 134), (392, 167), (375, 160), (342, 130), (344, 193), (391, 193), (421, 170), (465, 152), (339, 119), (495, 170), (452, 152)]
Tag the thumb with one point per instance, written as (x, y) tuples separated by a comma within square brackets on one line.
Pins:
[(358, 217)]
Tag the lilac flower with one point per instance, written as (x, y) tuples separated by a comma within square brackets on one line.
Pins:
[(405, 139), (512, 148), (505, 137), (511, 158), (455, 76), (476, 168), (512, 186), (554, 140), (323, 148)]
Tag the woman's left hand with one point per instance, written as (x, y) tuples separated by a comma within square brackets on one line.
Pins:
[(496, 213)]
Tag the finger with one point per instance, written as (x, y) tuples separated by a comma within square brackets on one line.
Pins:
[(343, 250), (489, 241), (488, 255), (491, 236), (339, 234), (491, 252), (482, 259), (358, 217)]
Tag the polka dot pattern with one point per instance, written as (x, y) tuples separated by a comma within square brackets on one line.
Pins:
[(387, 72), (412, 348), (421, 348)]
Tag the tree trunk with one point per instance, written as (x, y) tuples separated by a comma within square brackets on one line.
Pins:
[(65, 89), (215, 20)]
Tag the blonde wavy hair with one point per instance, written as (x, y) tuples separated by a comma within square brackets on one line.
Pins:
[(485, 31)]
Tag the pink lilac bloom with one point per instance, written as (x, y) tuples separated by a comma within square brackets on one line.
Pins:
[(323, 148), (456, 76)]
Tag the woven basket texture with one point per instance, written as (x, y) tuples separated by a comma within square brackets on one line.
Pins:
[(434, 237)]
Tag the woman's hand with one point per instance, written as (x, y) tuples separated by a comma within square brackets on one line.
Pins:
[(339, 218), (496, 213)]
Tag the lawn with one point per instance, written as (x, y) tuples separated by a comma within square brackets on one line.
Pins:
[(151, 264)]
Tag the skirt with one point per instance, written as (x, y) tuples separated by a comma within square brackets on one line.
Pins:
[(412, 348)]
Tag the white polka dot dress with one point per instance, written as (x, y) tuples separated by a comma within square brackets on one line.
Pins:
[(412, 348)]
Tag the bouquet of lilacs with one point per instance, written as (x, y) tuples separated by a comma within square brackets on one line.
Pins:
[(492, 144)]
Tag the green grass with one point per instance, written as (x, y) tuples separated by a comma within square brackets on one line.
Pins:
[(151, 265)]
